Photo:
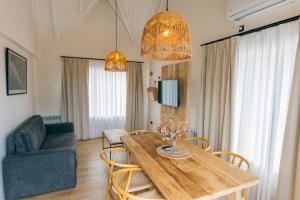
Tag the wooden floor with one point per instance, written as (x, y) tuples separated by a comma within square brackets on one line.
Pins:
[(91, 175)]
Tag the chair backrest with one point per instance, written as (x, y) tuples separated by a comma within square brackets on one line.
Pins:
[(199, 141), (139, 132), (113, 160), (121, 181), (234, 159)]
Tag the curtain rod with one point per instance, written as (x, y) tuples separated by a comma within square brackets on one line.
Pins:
[(256, 29), (96, 59)]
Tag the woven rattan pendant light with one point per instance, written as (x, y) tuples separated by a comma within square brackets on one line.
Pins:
[(166, 36), (115, 61)]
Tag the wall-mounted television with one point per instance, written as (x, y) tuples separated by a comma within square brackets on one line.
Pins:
[(168, 92)]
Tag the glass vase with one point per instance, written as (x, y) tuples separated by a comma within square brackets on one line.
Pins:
[(174, 141)]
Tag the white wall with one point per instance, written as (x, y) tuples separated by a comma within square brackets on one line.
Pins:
[(18, 33), (208, 21), (17, 23), (94, 37), (154, 107)]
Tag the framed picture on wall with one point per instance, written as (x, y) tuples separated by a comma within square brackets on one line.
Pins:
[(16, 73)]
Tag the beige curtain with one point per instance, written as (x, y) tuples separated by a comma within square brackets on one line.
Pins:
[(135, 97), (216, 93), (75, 102), (289, 175)]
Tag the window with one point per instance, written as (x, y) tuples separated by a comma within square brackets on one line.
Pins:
[(263, 77), (107, 98)]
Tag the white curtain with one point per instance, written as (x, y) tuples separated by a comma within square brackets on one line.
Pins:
[(262, 84), (289, 175), (107, 98)]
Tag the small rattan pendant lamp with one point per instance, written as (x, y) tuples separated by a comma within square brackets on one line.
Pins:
[(115, 61), (166, 36)]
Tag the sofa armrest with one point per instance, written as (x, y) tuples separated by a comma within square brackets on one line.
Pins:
[(59, 128), (39, 172)]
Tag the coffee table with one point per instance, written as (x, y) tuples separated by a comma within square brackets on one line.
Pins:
[(113, 137)]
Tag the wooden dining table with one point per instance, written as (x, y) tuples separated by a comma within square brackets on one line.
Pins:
[(202, 176)]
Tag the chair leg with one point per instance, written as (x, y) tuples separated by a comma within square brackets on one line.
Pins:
[(128, 157), (244, 194), (110, 151), (235, 196), (103, 140), (108, 190), (239, 196), (107, 195)]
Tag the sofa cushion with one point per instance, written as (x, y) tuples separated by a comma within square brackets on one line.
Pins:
[(59, 140), (30, 135), (20, 143)]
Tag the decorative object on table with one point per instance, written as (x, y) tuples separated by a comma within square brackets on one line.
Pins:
[(16, 73), (172, 132), (152, 93), (166, 36), (116, 61)]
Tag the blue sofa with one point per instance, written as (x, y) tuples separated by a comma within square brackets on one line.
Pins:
[(40, 159)]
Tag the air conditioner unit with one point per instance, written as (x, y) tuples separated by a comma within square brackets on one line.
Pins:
[(239, 9)]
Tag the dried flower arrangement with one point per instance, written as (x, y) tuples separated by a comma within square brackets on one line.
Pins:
[(172, 132)]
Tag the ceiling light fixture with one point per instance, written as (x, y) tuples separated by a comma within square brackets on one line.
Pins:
[(166, 36), (116, 61)]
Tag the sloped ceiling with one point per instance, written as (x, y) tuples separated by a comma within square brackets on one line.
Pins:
[(60, 17), (135, 13)]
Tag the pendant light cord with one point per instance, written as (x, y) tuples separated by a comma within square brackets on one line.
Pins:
[(167, 5), (116, 25)]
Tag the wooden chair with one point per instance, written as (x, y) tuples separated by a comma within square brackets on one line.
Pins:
[(139, 132), (236, 160), (140, 181), (122, 180), (203, 143)]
